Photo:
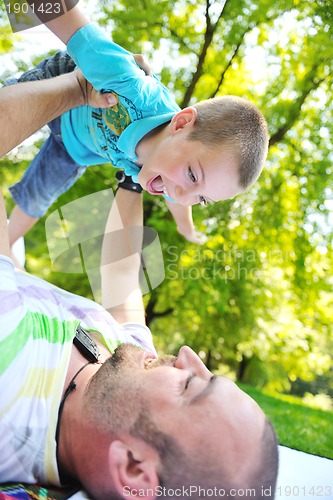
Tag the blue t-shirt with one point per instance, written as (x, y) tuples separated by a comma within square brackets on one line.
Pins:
[(93, 136)]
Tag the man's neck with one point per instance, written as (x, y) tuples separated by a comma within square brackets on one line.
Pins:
[(72, 432)]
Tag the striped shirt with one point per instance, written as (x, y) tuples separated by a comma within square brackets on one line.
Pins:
[(38, 324)]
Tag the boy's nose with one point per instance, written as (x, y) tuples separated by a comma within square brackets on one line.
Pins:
[(185, 197)]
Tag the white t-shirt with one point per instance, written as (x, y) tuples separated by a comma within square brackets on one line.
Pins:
[(38, 323)]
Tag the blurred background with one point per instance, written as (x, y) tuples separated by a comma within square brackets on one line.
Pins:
[(256, 300)]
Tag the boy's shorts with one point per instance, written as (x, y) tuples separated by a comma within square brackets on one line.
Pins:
[(53, 171), (49, 67)]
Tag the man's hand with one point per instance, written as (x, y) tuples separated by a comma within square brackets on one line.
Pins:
[(96, 99), (93, 97), (39, 102)]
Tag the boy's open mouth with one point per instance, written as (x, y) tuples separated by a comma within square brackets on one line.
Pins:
[(156, 186)]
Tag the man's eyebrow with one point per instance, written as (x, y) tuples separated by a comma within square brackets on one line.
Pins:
[(206, 391)]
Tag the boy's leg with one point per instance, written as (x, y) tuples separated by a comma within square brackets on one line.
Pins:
[(20, 221), (18, 253), (51, 173), (56, 65), (19, 224)]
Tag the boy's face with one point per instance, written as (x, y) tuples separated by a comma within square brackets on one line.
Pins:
[(187, 171)]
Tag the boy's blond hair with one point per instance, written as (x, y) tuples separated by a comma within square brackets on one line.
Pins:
[(238, 125)]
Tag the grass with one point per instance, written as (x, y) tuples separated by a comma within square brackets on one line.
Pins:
[(297, 425)]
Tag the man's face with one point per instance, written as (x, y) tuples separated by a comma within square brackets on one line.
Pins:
[(189, 172), (200, 411)]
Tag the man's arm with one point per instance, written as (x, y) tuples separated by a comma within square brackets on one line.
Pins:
[(37, 103), (121, 258), (63, 26)]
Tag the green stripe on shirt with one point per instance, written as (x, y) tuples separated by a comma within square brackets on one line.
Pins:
[(36, 326)]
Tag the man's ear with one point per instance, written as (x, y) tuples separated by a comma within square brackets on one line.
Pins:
[(183, 119), (133, 467)]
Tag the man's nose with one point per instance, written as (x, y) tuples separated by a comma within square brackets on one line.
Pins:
[(188, 360)]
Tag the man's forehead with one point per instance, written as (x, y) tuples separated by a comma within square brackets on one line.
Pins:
[(224, 394)]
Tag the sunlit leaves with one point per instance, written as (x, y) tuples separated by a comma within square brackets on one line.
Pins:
[(256, 299)]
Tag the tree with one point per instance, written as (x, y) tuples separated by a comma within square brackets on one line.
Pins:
[(257, 298)]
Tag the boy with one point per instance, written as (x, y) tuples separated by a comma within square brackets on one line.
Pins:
[(204, 153)]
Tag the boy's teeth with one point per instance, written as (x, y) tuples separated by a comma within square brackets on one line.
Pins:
[(165, 191)]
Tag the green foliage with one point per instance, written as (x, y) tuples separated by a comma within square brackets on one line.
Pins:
[(297, 426), (256, 300), (6, 42), (6, 35)]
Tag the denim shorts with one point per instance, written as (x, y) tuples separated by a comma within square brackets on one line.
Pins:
[(58, 64), (53, 171)]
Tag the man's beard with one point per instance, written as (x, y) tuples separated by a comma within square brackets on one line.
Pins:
[(114, 394), (116, 405), (126, 355)]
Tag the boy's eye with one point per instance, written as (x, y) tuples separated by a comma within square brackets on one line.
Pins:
[(191, 175), (202, 201)]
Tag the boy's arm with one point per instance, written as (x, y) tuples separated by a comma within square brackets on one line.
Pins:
[(121, 258), (184, 222)]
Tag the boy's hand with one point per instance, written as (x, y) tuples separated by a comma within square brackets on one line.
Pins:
[(194, 236), (142, 62), (184, 222)]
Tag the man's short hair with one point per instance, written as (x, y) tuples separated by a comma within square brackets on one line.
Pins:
[(237, 125)]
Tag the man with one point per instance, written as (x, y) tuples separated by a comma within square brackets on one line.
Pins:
[(118, 421)]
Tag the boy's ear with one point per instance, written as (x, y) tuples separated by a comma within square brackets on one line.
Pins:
[(183, 119), (133, 467)]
